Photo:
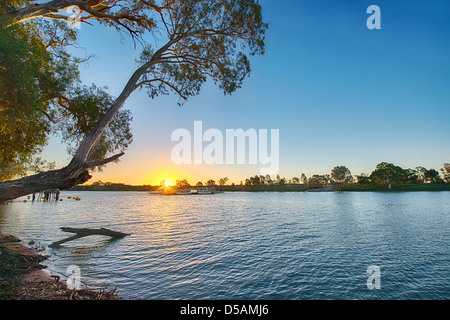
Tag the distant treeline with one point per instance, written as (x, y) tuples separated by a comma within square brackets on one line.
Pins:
[(109, 186), (385, 175)]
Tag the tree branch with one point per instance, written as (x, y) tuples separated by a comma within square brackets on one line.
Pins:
[(178, 91), (158, 8), (96, 163), (36, 10), (91, 139)]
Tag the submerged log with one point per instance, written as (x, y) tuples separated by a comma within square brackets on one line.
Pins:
[(84, 232)]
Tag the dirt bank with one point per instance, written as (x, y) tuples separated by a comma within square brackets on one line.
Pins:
[(22, 277)]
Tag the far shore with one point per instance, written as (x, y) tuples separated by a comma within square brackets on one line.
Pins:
[(278, 188), (405, 188)]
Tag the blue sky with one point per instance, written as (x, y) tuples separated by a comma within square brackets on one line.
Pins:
[(339, 93)]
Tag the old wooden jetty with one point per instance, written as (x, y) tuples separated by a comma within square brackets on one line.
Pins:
[(47, 195)]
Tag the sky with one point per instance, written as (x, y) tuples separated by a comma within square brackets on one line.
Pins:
[(338, 92)]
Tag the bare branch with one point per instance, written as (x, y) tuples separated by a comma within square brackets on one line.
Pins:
[(178, 91), (96, 163), (157, 8)]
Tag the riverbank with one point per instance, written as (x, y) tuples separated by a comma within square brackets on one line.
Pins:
[(23, 277), (405, 188)]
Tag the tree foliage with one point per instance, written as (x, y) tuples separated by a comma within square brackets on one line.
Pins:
[(182, 184), (319, 181), (206, 40), (30, 76), (388, 173), (223, 181), (85, 107), (446, 172), (341, 174), (40, 94), (363, 180), (433, 176)]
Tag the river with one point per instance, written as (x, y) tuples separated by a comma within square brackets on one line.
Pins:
[(268, 245)]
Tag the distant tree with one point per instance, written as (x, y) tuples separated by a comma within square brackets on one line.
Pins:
[(411, 176), (420, 172), (329, 180), (317, 181), (279, 180), (262, 179), (446, 172), (97, 183), (182, 184), (432, 176), (199, 184), (304, 179), (296, 180), (255, 181), (341, 174), (447, 167), (211, 183), (363, 180), (223, 181), (268, 179), (388, 174)]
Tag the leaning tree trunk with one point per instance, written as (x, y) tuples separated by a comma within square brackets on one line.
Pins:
[(62, 179), (76, 172)]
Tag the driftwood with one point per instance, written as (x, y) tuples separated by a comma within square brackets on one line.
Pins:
[(84, 232)]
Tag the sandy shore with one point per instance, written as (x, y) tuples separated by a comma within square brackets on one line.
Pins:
[(22, 277)]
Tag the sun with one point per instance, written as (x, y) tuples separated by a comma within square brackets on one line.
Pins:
[(168, 184), (167, 188)]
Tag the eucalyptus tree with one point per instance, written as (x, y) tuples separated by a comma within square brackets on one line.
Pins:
[(202, 40), (341, 174), (41, 94), (388, 173)]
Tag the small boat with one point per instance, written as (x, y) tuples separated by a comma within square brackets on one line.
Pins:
[(187, 191)]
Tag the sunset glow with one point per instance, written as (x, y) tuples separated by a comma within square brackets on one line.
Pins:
[(168, 183)]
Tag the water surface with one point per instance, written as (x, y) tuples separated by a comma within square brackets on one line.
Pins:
[(248, 245)]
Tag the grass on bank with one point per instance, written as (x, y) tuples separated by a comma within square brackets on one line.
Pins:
[(412, 187)]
